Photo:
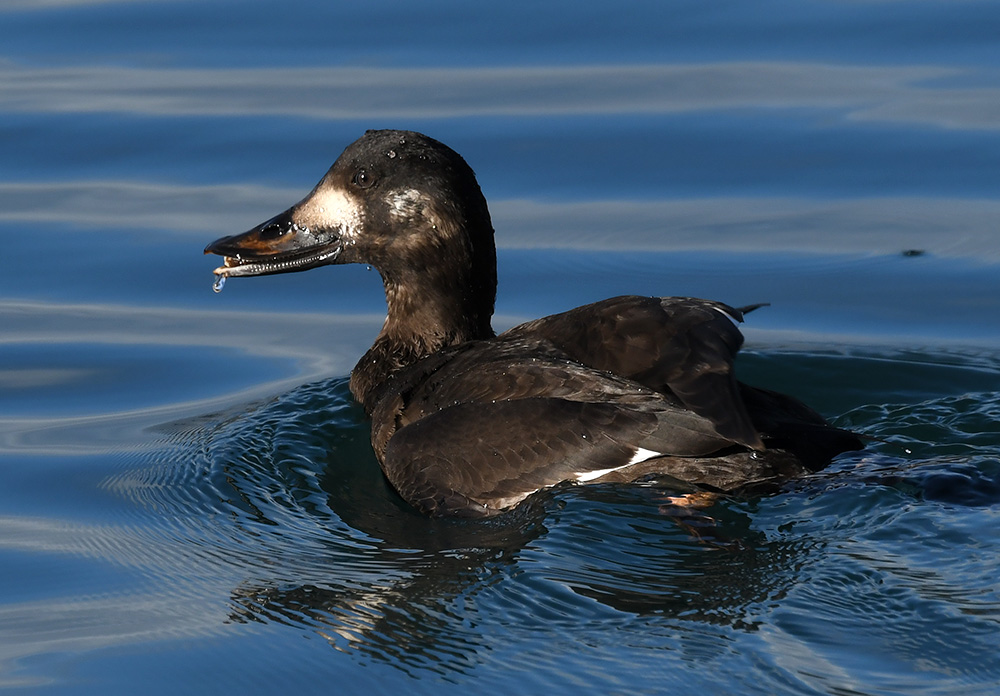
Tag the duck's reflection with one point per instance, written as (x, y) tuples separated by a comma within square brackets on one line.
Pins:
[(437, 594)]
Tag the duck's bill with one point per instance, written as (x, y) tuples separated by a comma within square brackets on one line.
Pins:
[(237, 265), (276, 246)]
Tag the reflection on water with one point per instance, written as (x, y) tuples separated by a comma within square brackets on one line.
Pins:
[(928, 95), (948, 227), (281, 508), (188, 499), (65, 363), (324, 546), (270, 514)]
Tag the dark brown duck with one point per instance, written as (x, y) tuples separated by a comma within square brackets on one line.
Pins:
[(465, 422)]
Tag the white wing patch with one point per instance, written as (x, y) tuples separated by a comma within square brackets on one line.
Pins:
[(640, 455), (726, 314)]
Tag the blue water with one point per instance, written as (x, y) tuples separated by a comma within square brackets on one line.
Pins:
[(188, 499)]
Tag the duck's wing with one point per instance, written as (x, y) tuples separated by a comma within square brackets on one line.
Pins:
[(478, 459), (478, 430), (675, 345)]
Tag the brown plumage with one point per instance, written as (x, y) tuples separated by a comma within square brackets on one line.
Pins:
[(468, 423)]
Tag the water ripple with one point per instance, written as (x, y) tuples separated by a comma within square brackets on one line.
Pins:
[(279, 506)]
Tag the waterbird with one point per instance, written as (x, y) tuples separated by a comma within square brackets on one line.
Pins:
[(468, 423)]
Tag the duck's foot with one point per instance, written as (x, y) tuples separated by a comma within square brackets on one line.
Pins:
[(689, 502), (686, 512)]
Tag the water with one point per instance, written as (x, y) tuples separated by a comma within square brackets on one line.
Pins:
[(188, 500)]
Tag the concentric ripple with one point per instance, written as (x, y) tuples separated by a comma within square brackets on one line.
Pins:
[(279, 511)]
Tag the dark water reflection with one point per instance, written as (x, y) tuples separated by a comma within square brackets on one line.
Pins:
[(272, 516), (335, 552), (285, 500)]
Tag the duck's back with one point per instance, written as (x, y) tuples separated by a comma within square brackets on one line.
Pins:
[(621, 388), (673, 345)]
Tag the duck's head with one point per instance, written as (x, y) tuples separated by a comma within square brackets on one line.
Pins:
[(403, 203)]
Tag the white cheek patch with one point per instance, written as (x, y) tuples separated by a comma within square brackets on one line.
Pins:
[(408, 204), (329, 208)]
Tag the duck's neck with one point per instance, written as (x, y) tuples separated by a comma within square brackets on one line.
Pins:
[(426, 314)]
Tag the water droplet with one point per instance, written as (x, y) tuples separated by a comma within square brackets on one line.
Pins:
[(368, 267), (392, 154), (219, 283)]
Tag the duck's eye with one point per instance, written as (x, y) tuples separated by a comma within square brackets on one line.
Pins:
[(363, 179)]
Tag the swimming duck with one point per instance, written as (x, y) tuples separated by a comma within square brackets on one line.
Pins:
[(465, 422)]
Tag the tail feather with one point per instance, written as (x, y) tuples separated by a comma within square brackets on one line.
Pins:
[(786, 423)]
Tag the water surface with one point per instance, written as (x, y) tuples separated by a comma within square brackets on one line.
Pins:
[(188, 499)]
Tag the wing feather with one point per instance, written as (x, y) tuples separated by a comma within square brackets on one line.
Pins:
[(674, 345)]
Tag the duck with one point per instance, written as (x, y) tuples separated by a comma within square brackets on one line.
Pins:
[(466, 422)]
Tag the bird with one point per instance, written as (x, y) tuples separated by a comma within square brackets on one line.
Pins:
[(469, 423)]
